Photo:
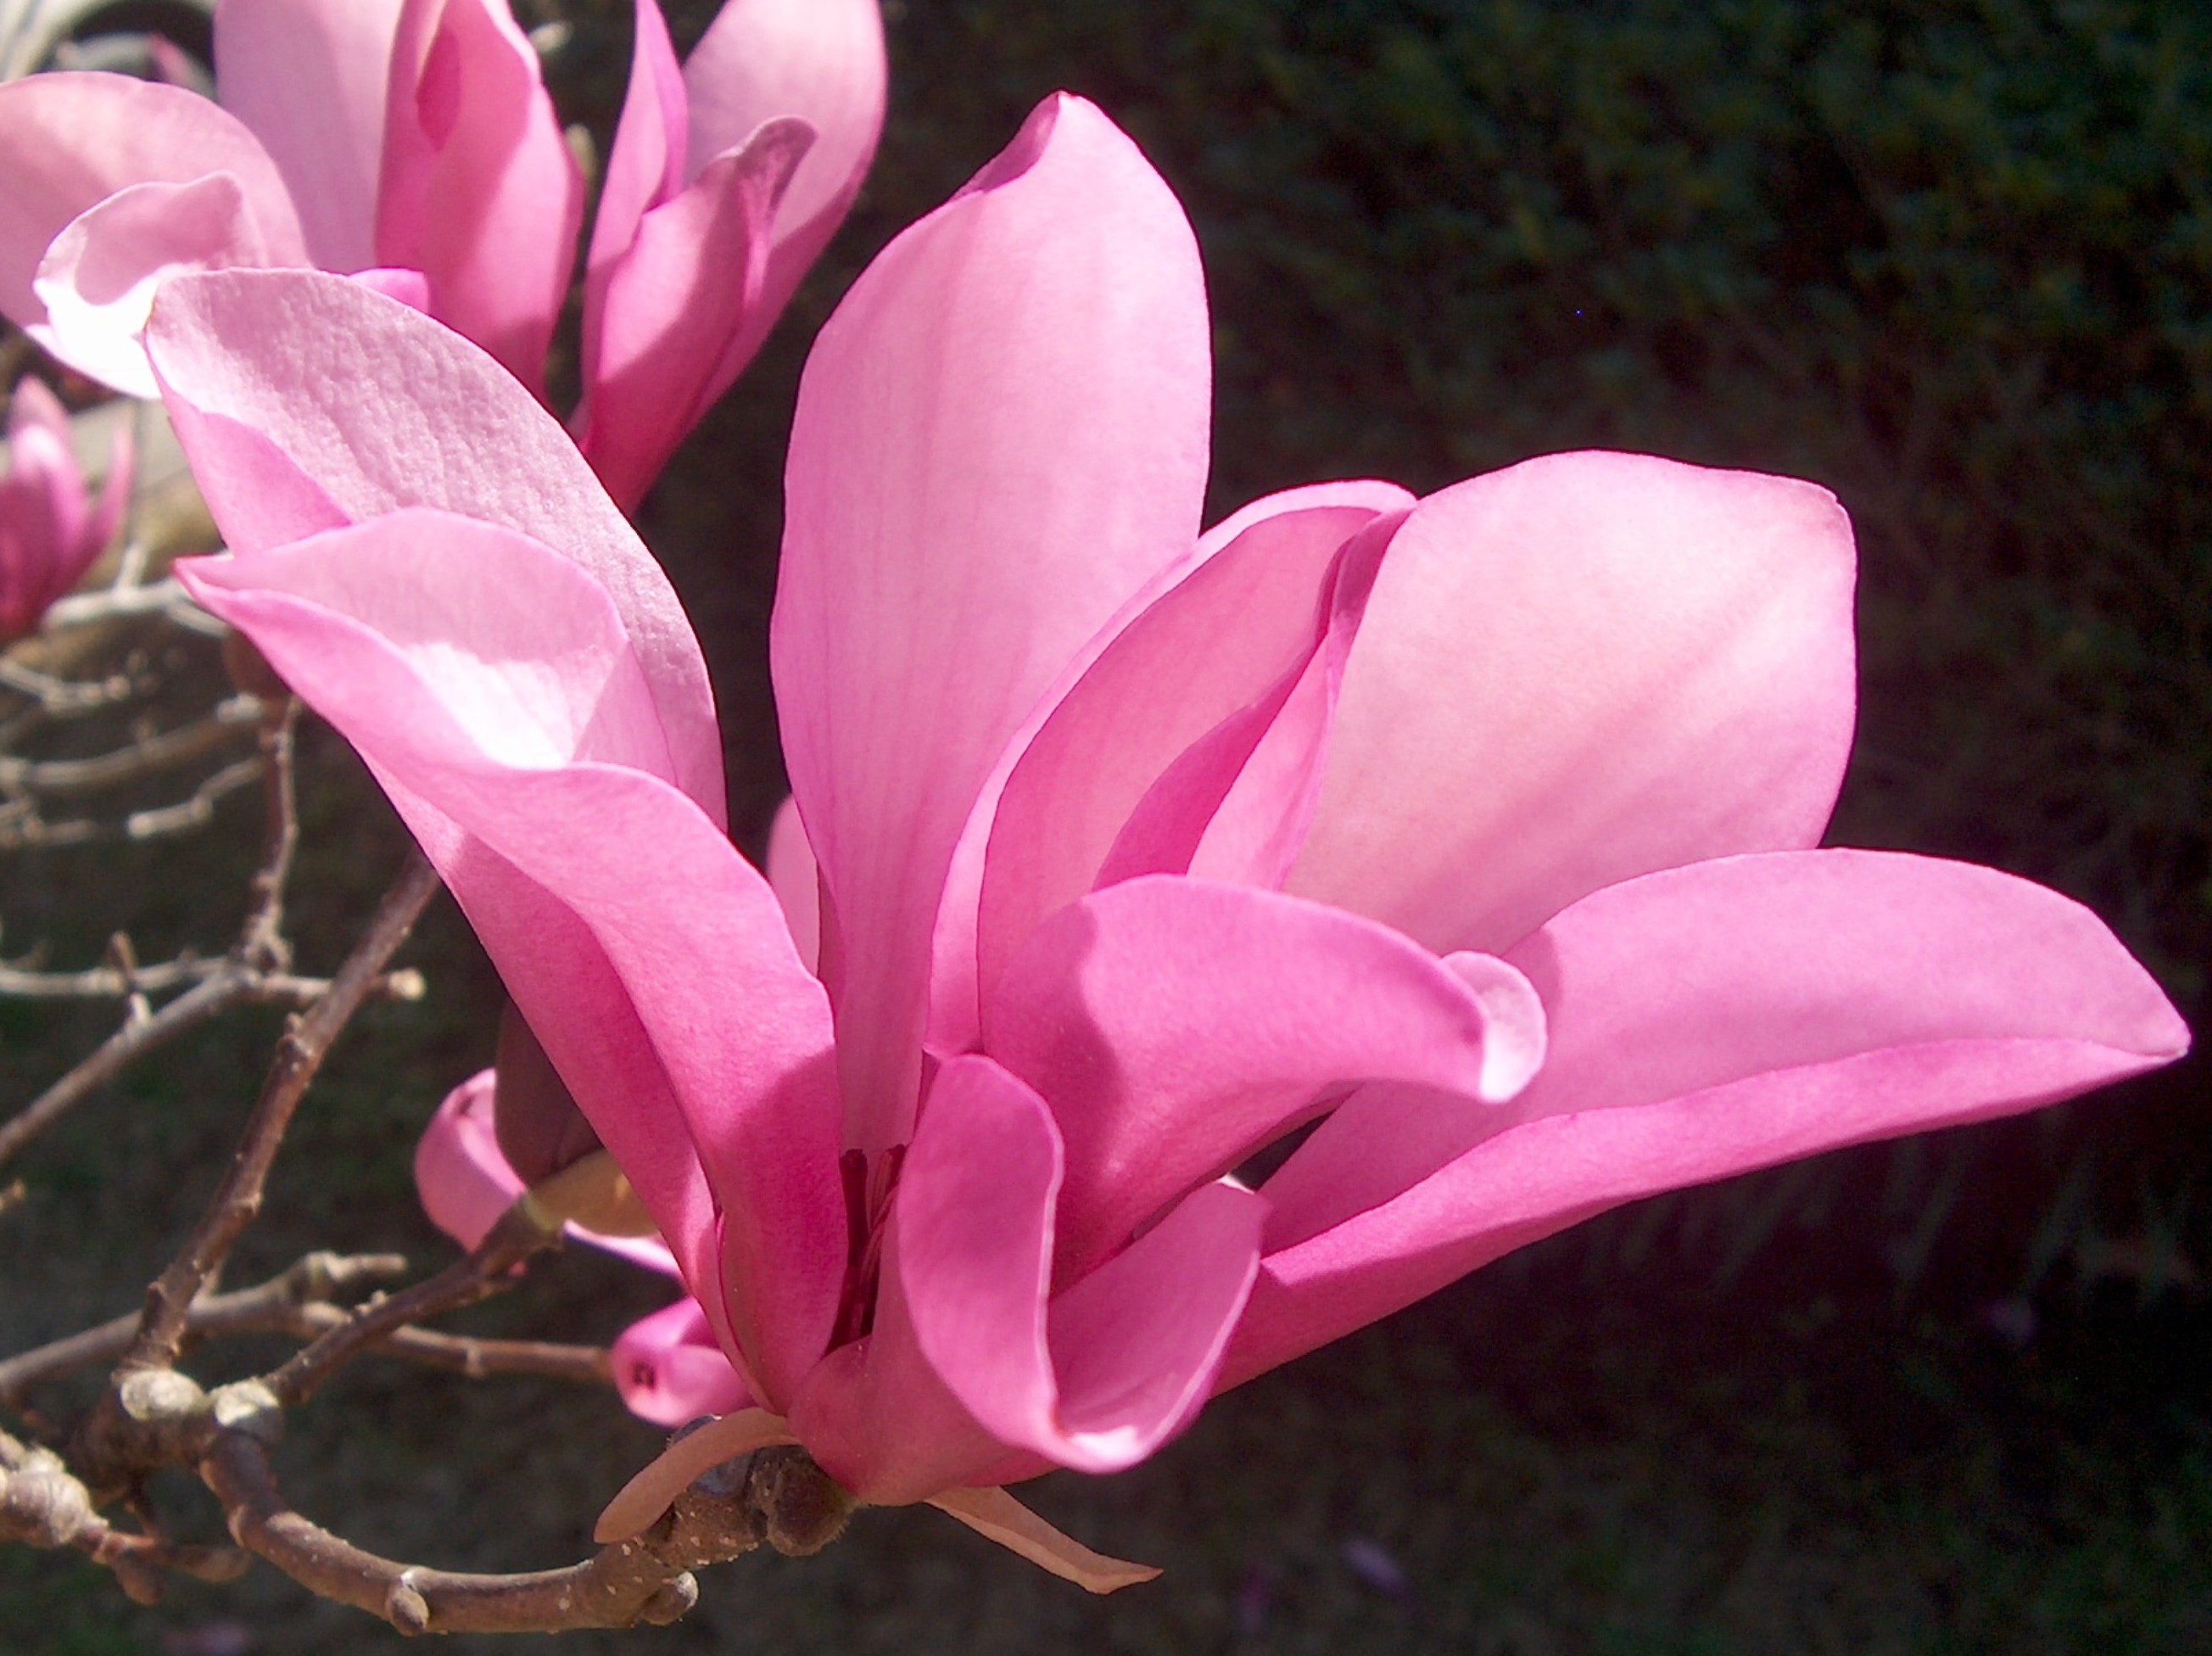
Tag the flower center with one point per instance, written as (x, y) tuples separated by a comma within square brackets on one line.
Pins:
[(870, 1183)]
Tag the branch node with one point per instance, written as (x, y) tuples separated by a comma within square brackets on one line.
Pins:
[(40, 1503), (249, 1406), (803, 1508), (154, 1396), (405, 1607), (671, 1602)]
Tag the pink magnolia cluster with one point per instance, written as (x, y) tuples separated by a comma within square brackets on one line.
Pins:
[(51, 529), (1475, 833), (411, 143)]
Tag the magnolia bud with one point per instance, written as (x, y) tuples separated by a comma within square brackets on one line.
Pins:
[(250, 670), (539, 1128), (546, 1140)]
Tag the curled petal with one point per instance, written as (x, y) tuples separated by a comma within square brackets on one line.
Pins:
[(668, 1370), (1198, 655), (1112, 1367), (1236, 804), (1178, 1027), (640, 1502), (429, 420), (479, 191), (98, 280), (821, 62), (971, 1354), (1706, 1021), (955, 1013), (1578, 670), (1000, 435), (68, 141), (671, 302)]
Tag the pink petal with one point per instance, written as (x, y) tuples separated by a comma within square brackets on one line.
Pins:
[(1236, 805), (309, 78), (821, 61), (1577, 671), (639, 1502), (478, 189), (1705, 1021), (538, 684), (797, 888), (69, 141), (967, 1360), (1202, 653), (410, 288), (98, 279), (1177, 1026), (43, 475), (466, 1183), (1125, 1356), (246, 360), (49, 534), (671, 302), (998, 1515), (40, 497), (1001, 435), (955, 1018), (463, 1181), (673, 1006), (645, 168), (668, 1370)]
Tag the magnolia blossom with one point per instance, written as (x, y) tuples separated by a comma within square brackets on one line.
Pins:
[(411, 143), (1478, 829), (51, 530)]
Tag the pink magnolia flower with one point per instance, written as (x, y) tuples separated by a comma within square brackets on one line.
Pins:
[(51, 530), (411, 143), (1478, 828)]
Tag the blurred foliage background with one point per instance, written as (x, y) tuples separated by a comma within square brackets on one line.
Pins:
[(1953, 260)]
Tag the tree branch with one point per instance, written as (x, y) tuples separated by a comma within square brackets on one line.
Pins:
[(262, 942), (266, 1307), (779, 1496), (298, 1303), (487, 1271), (299, 1055), (43, 1504), (143, 756), (60, 697), (21, 825), (226, 984)]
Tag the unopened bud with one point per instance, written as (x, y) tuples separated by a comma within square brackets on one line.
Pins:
[(539, 1128), (250, 670)]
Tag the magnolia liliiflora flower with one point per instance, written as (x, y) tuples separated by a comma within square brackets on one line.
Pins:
[(51, 529), (1478, 829), (411, 143)]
